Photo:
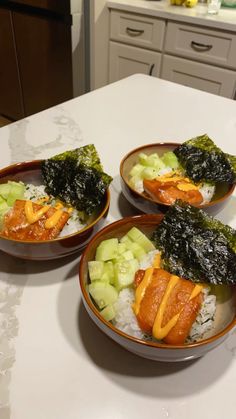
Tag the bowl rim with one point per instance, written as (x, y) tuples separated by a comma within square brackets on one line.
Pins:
[(140, 195), (36, 163), (109, 325)]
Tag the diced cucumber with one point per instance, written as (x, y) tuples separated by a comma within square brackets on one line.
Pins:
[(142, 157), (137, 250), (95, 268), (108, 272), (154, 161), (125, 239), (103, 293), (128, 255), (121, 248), (137, 236), (150, 173), (5, 189), (108, 313), (136, 182), (169, 159), (17, 190), (124, 273), (136, 169), (107, 250)]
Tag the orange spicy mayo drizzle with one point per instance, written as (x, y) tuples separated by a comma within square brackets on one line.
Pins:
[(158, 331), (32, 216)]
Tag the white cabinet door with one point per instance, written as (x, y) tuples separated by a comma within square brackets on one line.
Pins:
[(137, 30), (200, 76), (126, 60)]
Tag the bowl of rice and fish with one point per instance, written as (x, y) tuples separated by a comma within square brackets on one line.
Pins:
[(197, 171), (51, 208), (160, 298)]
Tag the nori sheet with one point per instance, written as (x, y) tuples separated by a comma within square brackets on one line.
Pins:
[(204, 161), (77, 178), (196, 246)]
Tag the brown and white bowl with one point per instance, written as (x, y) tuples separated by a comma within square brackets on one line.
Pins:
[(145, 203), (224, 322), (30, 172)]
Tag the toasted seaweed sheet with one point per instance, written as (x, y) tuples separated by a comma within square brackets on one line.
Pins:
[(204, 161), (77, 178), (196, 246)]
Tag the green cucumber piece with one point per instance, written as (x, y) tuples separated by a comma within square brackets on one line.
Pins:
[(137, 250), (142, 158), (17, 190), (128, 255), (150, 173), (108, 272), (121, 248), (102, 293), (154, 161), (169, 159), (137, 236), (124, 273), (95, 268), (108, 313), (136, 170), (107, 250), (5, 190)]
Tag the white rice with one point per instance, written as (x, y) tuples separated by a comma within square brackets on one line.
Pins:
[(125, 319), (207, 192), (74, 224)]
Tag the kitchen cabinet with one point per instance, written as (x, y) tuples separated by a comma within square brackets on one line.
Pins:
[(192, 55), (126, 60), (11, 100), (36, 65)]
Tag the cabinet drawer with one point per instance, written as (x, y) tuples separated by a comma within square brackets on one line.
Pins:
[(137, 30), (199, 76), (126, 60), (215, 47)]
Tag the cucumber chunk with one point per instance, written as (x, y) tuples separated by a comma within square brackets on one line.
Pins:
[(142, 158), (108, 313), (150, 173), (137, 250), (169, 159), (108, 272), (107, 250), (17, 190), (124, 273), (102, 293), (5, 190), (136, 170), (137, 236), (95, 268), (154, 161)]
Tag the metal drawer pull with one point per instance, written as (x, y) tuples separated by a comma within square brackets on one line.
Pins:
[(151, 69), (200, 47), (134, 32)]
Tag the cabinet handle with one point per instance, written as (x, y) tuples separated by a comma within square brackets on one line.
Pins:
[(151, 69), (134, 32), (200, 47)]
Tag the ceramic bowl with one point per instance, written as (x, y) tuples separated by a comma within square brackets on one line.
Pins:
[(29, 172), (224, 322), (146, 204)]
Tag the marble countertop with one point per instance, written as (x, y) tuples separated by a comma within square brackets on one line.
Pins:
[(226, 19), (54, 362)]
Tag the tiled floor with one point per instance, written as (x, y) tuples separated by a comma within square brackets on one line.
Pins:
[(4, 121)]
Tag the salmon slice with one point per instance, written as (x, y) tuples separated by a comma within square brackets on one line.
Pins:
[(168, 192), (16, 225), (178, 302)]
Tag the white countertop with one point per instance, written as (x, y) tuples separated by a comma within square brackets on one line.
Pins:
[(226, 19), (54, 362)]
